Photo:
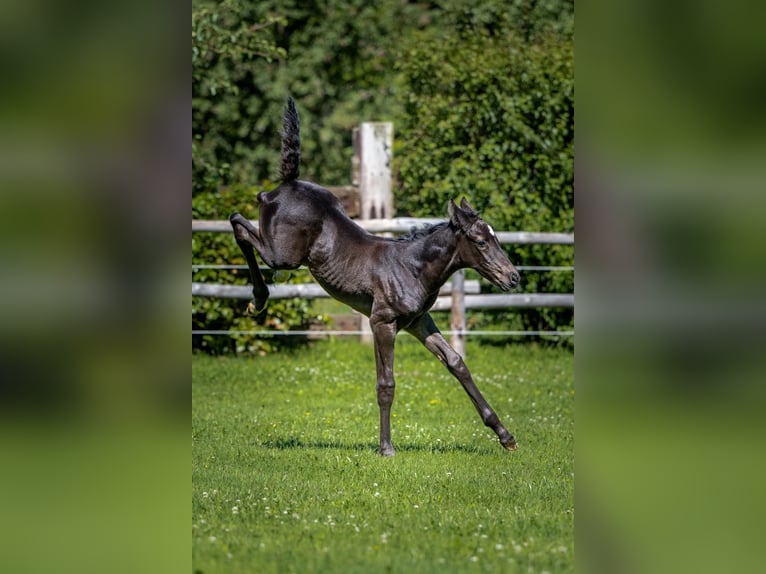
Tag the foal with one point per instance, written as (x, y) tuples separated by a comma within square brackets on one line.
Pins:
[(392, 281)]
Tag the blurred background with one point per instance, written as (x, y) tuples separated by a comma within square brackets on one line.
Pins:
[(94, 186), (670, 183)]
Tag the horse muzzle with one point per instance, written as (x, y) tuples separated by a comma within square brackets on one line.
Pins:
[(506, 280)]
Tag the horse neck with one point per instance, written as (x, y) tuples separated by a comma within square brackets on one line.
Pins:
[(441, 257)]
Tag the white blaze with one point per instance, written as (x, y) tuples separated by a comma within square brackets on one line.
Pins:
[(491, 231)]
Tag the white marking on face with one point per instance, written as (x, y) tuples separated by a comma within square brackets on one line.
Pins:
[(491, 231)]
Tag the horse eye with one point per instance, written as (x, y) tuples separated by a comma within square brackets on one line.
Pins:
[(481, 243)]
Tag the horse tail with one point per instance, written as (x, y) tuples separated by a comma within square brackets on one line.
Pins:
[(289, 166)]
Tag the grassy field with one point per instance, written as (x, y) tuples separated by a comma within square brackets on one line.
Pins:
[(286, 478)]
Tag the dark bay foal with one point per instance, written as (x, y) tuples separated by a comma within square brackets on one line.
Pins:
[(392, 281)]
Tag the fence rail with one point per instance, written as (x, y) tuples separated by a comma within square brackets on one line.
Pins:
[(501, 301), (287, 291), (331, 333), (405, 225), (469, 296), (473, 300)]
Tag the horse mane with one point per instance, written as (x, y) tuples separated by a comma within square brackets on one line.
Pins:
[(420, 232)]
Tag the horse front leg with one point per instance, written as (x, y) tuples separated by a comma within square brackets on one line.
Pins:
[(426, 332), (247, 237), (384, 335)]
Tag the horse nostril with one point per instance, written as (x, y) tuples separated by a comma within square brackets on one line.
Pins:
[(515, 278)]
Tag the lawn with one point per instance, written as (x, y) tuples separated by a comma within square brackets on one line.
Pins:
[(285, 477)]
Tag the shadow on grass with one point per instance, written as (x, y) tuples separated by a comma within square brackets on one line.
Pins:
[(296, 443)]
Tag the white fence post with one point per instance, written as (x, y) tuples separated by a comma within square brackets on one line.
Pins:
[(375, 155), (457, 315), (373, 144)]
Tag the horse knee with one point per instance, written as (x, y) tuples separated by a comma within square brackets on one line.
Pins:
[(241, 233), (385, 391)]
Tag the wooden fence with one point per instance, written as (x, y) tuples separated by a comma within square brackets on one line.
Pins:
[(457, 296), (369, 197), (405, 225)]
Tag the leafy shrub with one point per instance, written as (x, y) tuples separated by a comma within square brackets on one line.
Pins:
[(336, 59), (228, 45), (489, 115), (229, 314), (481, 95)]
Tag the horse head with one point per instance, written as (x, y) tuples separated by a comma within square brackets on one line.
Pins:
[(479, 247)]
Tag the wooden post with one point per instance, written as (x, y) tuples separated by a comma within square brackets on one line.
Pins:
[(457, 317), (375, 154), (372, 159), (356, 159)]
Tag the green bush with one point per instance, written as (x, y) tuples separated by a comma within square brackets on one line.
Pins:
[(490, 116), (229, 314), (336, 59), (228, 45), (231, 44), (481, 95)]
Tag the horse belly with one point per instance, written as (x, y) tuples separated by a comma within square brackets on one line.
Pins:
[(351, 295)]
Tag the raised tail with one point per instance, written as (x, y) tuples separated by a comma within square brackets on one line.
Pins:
[(289, 166)]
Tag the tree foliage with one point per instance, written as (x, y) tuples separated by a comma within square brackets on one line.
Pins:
[(225, 314), (335, 57), (489, 115), (226, 46), (481, 96)]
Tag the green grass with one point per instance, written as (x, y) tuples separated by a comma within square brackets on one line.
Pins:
[(286, 478)]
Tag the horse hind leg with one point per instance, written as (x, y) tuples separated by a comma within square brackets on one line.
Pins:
[(248, 239)]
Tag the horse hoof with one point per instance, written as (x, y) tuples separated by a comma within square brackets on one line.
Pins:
[(510, 444), (254, 307), (386, 452)]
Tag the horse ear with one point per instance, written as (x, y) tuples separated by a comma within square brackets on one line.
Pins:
[(452, 210), (470, 211), (457, 216)]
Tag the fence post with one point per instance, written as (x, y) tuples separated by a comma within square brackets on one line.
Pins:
[(375, 154), (373, 148), (457, 316)]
